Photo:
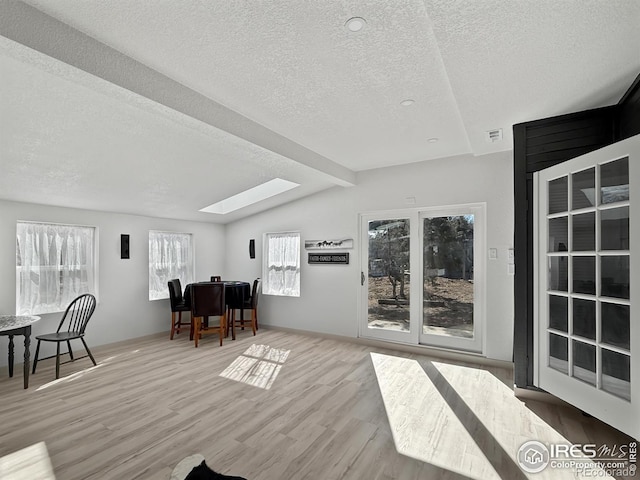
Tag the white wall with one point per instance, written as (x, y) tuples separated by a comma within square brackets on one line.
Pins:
[(329, 294), (124, 310)]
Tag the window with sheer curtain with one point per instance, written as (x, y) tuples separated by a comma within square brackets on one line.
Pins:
[(170, 256), (54, 264), (281, 264)]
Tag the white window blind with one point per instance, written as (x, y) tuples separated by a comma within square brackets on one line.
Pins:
[(170, 256), (281, 267), (54, 265)]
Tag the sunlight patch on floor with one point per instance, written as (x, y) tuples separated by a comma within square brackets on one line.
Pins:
[(434, 408), (422, 424), (69, 378), (29, 463), (258, 366), (506, 417), (75, 376)]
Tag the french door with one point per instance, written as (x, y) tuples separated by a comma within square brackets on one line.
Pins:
[(422, 277), (588, 284)]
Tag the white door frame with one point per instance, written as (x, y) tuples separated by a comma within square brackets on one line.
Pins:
[(414, 336)]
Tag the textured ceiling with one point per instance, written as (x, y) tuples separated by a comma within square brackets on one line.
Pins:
[(114, 151), (515, 61), (135, 101)]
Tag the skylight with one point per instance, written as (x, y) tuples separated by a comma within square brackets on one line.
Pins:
[(251, 196)]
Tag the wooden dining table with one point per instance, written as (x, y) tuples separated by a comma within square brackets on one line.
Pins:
[(11, 325)]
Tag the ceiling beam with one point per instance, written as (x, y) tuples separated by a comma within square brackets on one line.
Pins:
[(32, 28)]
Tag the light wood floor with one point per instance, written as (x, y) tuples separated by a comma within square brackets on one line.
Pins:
[(335, 410)]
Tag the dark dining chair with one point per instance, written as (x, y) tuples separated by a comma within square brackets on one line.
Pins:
[(178, 305), (207, 300), (250, 303), (216, 278), (253, 301), (72, 327)]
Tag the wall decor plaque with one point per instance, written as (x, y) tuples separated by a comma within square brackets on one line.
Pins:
[(328, 244), (328, 258)]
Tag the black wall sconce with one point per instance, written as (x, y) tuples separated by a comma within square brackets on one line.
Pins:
[(252, 248), (124, 246)]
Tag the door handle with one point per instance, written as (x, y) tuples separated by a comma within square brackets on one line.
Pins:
[(361, 278)]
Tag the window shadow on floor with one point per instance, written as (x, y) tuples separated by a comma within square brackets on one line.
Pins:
[(500, 460)]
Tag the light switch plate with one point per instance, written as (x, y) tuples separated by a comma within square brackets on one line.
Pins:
[(493, 254)]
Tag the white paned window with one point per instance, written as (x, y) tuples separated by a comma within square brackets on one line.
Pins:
[(170, 256), (281, 267), (54, 265)]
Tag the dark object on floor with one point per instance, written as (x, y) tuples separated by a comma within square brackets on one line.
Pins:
[(203, 472)]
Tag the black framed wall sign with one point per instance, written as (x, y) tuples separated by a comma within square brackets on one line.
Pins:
[(328, 258)]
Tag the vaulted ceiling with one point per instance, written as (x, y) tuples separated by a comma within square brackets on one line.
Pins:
[(161, 108)]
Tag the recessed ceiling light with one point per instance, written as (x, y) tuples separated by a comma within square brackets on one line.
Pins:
[(433, 140), (355, 24), (251, 196), (407, 102)]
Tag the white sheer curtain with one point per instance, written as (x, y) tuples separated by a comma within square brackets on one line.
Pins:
[(170, 256), (281, 268), (54, 264)]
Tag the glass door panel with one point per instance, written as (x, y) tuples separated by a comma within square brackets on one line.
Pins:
[(389, 298), (614, 229), (584, 189), (448, 276), (450, 316)]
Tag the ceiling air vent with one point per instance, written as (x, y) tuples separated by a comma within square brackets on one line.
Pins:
[(494, 135)]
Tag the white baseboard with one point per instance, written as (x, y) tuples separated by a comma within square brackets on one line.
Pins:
[(417, 349)]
